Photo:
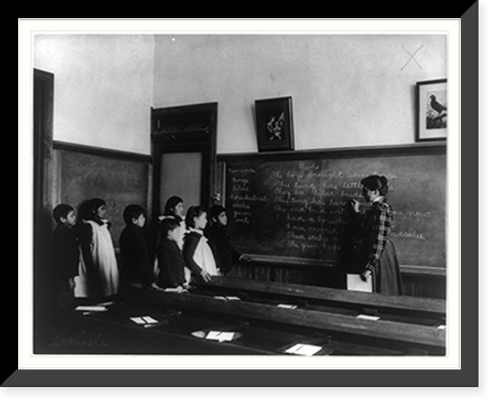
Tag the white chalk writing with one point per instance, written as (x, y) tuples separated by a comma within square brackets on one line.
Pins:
[(308, 205)]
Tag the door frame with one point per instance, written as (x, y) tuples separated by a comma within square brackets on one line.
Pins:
[(43, 120), (182, 129)]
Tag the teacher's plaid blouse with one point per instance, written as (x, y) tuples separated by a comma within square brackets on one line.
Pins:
[(377, 226)]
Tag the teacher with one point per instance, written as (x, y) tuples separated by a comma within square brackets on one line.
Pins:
[(378, 255)]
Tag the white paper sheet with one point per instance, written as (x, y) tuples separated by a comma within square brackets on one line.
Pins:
[(227, 298), (288, 306), (220, 336), (91, 308), (368, 317), (355, 283), (144, 320), (304, 349)]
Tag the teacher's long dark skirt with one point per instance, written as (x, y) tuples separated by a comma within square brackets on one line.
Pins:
[(387, 277)]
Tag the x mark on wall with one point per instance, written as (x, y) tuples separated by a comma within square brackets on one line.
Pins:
[(412, 57)]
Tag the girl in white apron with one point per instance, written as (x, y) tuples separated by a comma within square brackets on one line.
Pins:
[(99, 276), (197, 253)]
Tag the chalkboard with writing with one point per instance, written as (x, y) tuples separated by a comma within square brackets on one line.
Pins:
[(296, 206)]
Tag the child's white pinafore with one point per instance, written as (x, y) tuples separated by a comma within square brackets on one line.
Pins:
[(204, 257), (104, 258)]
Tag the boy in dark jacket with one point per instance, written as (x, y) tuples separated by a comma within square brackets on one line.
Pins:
[(65, 255), (135, 260)]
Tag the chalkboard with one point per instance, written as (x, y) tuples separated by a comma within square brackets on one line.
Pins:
[(117, 177), (295, 206)]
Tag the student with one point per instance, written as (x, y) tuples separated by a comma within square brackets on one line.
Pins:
[(378, 255), (218, 238), (136, 267), (170, 260), (65, 255), (174, 209), (198, 255), (99, 267)]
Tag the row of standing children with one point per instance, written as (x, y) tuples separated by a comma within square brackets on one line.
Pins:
[(191, 246), (83, 251), (185, 247)]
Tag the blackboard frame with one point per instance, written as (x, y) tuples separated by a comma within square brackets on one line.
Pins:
[(111, 154), (103, 152), (424, 148), (427, 148)]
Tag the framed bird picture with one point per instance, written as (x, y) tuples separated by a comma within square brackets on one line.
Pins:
[(274, 124), (432, 110)]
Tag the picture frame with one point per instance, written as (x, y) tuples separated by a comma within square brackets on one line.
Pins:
[(274, 124), (432, 110)]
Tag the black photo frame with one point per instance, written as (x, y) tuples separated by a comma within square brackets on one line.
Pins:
[(274, 124), (432, 110)]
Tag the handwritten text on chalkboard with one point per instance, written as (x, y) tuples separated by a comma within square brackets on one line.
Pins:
[(301, 208)]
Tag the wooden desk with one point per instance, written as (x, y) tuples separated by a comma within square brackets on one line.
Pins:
[(399, 308), (323, 317), (113, 332), (391, 335)]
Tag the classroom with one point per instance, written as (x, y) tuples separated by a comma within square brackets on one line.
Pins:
[(278, 130)]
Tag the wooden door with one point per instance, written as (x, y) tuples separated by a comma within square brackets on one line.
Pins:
[(183, 144)]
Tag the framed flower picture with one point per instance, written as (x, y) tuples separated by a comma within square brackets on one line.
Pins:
[(432, 110), (274, 124)]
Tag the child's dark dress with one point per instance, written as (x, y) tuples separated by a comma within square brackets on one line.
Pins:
[(65, 262), (224, 253), (136, 266), (171, 264)]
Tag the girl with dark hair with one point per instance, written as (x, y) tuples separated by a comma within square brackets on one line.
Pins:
[(219, 240), (378, 255), (99, 272), (174, 209), (198, 255)]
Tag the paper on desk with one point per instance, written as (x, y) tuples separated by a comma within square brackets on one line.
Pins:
[(368, 317), (355, 283), (288, 306), (144, 320), (220, 336), (303, 349), (91, 308), (226, 298)]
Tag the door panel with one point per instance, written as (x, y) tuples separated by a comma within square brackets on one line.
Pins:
[(181, 176)]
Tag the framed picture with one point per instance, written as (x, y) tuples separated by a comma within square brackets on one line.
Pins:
[(432, 110), (274, 124)]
